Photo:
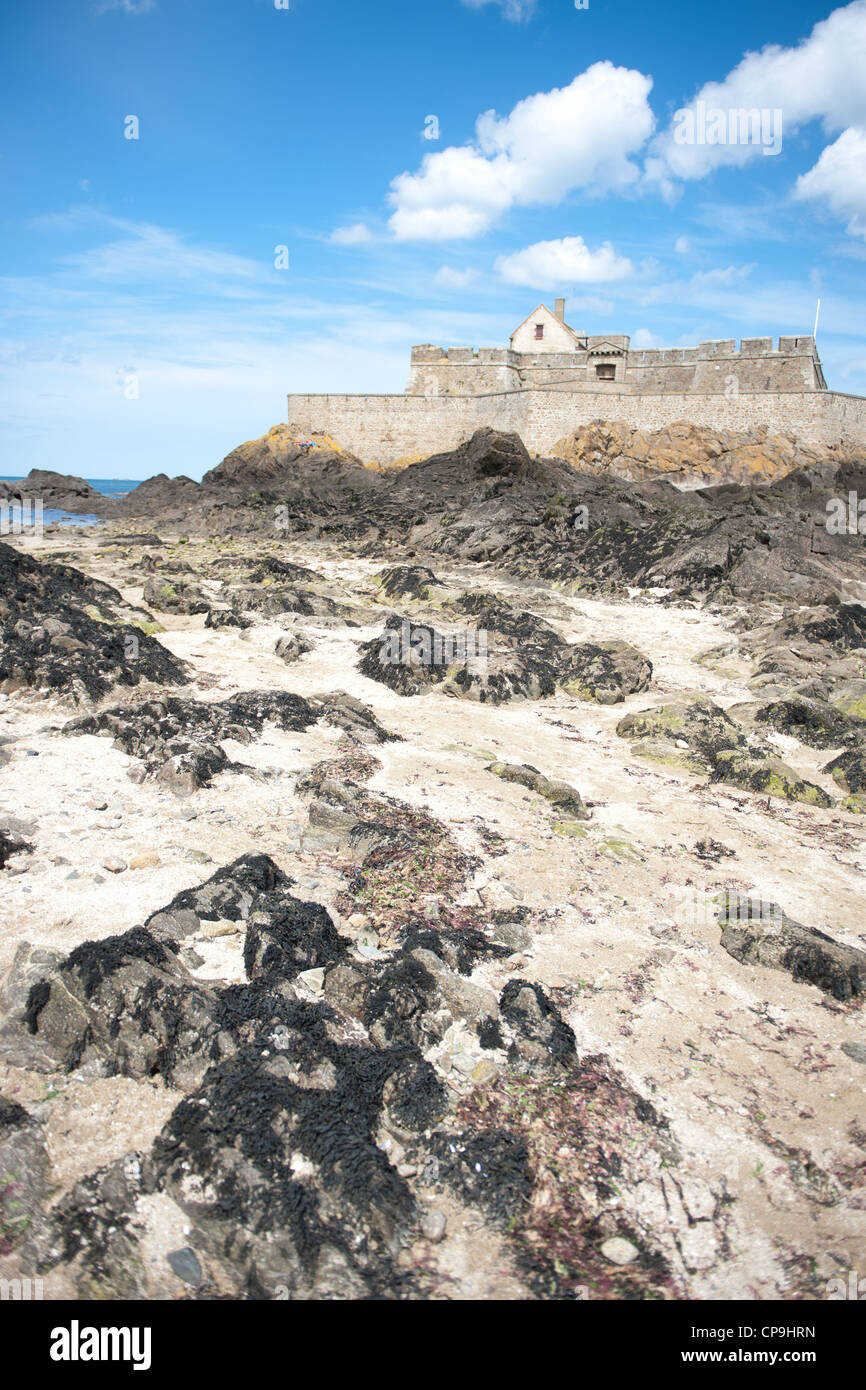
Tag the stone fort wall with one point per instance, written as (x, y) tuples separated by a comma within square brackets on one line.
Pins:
[(723, 365), (383, 429)]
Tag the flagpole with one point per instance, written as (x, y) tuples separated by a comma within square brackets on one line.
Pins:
[(817, 312)]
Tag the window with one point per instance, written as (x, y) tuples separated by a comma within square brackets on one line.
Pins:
[(539, 331), (605, 371)]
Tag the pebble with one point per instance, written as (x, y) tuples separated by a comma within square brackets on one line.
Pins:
[(222, 927), (313, 979), (96, 805), (855, 1050), (433, 1226), (184, 1263), (619, 1251), (148, 860), (358, 920), (113, 866)]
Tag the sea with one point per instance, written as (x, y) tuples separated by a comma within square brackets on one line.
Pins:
[(109, 487)]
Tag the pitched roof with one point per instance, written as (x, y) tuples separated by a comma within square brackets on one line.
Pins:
[(543, 309)]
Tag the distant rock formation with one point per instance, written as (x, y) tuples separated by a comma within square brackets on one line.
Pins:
[(60, 491)]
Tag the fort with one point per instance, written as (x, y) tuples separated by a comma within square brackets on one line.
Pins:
[(552, 379)]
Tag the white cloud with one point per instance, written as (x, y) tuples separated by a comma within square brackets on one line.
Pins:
[(358, 234), (515, 10), (453, 279), (644, 339), (820, 78), (579, 136), (149, 253), (682, 246), (838, 180), (128, 6), (567, 260)]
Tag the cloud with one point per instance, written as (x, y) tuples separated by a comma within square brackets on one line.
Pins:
[(568, 260), (682, 246), (358, 234), (574, 137), (128, 6), (453, 279), (838, 180), (820, 78), (149, 253), (515, 10), (644, 339)]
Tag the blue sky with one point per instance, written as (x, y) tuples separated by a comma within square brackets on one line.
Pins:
[(146, 325)]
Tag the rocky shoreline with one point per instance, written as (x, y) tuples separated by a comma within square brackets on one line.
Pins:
[(437, 884)]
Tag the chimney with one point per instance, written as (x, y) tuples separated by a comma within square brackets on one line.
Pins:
[(560, 310)]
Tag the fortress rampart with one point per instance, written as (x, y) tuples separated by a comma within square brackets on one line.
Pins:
[(552, 379), (383, 429), (756, 365)]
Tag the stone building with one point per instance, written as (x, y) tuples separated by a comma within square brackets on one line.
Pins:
[(551, 379), (545, 353)]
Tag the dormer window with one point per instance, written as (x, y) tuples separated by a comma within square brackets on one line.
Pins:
[(539, 332)]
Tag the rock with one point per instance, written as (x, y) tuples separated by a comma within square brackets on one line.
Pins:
[(346, 987), (849, 772), (855, 1050), (434, 1225), (184, 1263), (115, 866), (299, 938), (409, 581), (462, 998), (563, 797), (513, 934), (169, 596), (619, 1251), (813, 722), (759, 933), (715, 745), (212, 931), (605, 671), (149, 860), (178, 740), (542, 1037), (312, 979), (11, 844), (291, 649), (75, 636)]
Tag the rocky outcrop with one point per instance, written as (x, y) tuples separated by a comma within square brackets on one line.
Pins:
[(65, 632), (62, 492), (174, 596), (309, 1135), (696, 734), (605, 671), (685, 453), (760, 933), (178, 741)]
